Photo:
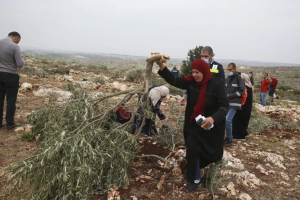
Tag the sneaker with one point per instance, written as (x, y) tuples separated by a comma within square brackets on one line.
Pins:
[(227, 141), (13, 126)]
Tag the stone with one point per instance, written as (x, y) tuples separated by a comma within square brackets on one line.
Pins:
[(244, 196)]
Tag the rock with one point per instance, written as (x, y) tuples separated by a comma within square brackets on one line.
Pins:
[(233, 162), (26, 87), (297, 178), (119, 86), (244, 196), (285, 184), (231, 188), (113, 194), (223, 190), (133, 198), (64, 95), (284, 176), (143, 177), (262, 170), (245, 178), (26, 128)]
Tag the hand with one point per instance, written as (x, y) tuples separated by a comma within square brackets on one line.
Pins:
[(182, 101), (207, 122), (161, 65), (24, 57), (166, 119), (227, 95)]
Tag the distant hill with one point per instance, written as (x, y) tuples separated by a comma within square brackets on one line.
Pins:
[(106, 56)]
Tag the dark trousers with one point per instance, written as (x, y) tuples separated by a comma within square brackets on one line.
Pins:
[(9, 85)]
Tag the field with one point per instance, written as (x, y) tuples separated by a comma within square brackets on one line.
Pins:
[(264, 166)]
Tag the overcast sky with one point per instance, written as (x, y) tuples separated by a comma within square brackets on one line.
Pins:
[(257, 30)]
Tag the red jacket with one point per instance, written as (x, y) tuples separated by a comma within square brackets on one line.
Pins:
[(273, 83), (264, 85)]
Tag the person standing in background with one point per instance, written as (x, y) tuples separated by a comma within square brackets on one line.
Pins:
[(264, 89), (207, 54), (273, 86), (251, 78), (10, 60)]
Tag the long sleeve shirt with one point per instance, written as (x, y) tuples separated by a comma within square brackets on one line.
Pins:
[(10, 56), (273, 83), (264, 85)]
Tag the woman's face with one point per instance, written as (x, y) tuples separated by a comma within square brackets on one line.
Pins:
[(198, 76)]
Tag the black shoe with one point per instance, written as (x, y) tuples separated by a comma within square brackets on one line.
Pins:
[(2, 125), (192, 186), (227, 141), (13, 126)]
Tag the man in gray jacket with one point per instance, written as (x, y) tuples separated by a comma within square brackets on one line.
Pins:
[(235, 88), (10, 60)]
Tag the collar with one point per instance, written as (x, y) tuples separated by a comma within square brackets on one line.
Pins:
[(212, 61)]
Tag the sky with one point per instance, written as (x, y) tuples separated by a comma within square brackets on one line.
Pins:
[(256, 30)]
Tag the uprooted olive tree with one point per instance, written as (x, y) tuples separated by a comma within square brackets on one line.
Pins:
[(80, 151)]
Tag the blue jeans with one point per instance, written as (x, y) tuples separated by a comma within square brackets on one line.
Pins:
[(263, 98), (229, 118), (197, 175)]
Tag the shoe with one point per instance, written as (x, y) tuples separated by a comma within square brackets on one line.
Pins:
[(192, 186), (13, 126), (2, 125), (227, 141)]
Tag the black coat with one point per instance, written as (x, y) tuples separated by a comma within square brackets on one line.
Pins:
[(205, 145)]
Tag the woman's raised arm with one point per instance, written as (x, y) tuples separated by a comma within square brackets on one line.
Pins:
[(165, 73)]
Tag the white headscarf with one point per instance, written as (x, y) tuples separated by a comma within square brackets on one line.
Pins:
[(156, 93), (247, 80)]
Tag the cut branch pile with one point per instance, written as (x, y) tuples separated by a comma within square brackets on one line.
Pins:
[(80, 150)]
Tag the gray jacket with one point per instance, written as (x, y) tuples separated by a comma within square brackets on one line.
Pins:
[(10, 56), (235, 88)]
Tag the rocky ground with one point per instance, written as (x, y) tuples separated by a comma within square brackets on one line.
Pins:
[(265, 166)]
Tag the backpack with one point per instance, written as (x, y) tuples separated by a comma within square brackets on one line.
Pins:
[(243, 98)]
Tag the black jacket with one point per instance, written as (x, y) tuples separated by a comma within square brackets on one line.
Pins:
[(205, 145), (235, 88)]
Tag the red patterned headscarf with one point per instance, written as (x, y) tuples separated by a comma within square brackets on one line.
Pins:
[(201, 66)]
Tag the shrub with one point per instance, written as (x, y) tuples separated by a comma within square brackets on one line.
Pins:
[(156, 80), (27, 136), (30, 71), (99, 80), (258, 122), (175, 91), (70, 87), (284, 87), (135, 75)]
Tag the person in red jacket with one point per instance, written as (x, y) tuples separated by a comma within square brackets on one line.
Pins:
[(264, 89), (273, 86)]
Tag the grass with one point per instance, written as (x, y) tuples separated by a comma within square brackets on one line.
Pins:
[(27, 136)]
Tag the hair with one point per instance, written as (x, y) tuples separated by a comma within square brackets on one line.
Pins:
[(250, 72), (208, 49), (233, 65), (14, 34), (267, 74)]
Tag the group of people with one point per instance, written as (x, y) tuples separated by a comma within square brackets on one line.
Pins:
[(265, 86), (213, 104)]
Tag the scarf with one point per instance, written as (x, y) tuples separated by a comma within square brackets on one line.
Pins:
[(201, 66), (156, 93), (247, 80), (123, 112)]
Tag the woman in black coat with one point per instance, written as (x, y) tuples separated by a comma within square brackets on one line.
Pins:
[(241, 118), (206, 96)]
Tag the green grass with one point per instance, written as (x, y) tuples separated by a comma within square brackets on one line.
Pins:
[(27, 136)]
